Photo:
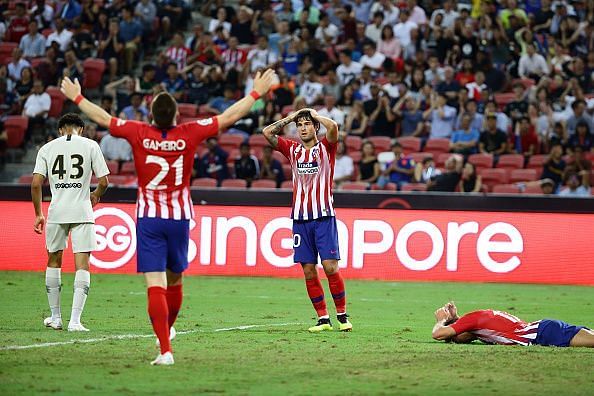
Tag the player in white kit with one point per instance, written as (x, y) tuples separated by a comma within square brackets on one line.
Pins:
[(68, 162)]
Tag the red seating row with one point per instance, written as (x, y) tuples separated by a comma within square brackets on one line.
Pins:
[(240, 183)]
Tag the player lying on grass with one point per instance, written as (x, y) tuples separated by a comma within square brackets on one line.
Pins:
[(68, 162), (314, 221), (498, 327), (164, 159)]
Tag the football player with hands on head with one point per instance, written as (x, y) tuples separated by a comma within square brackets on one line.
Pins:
[(164, 158)]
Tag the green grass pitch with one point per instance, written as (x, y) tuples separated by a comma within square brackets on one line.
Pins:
[(390, 350)]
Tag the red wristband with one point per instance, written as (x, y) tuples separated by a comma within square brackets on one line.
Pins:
[(78, 99), (255, 95)]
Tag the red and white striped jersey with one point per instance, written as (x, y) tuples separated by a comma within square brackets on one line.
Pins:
[(164, 160), (313, 174), (497, 327), (179, 55), (233, 59)]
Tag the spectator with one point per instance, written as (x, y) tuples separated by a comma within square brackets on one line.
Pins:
[(111, 48), (532, 65), (115, 149), (393, 86), (131, 36), (448, 181), (344, 168), (32, 44), (16, 66), (246, 166), (242, 28), (214, 163), (512, 10), (146, 12), (492, 140), (178, 53), (36, 108), (389, 11), (70, 10), (412, 118), (18, 25), (347, 70), (381, 117), (220, 104), (434, 74), (220, 20), (400, 171), (261, 57), (417, 14), (388, 44), (271, 168), (326, 33), (526, 138), (24, 85), (196, 84), (577, 185), (332, 86), (174, 83), (43, 13), (465, 140), (503, 122), (372, 58), (448, 15), (234, 59), (470, 109), (577, 161), (470, 181), (449, 86), (332, 112), (582, 137), (579, 114), (356, 120), (171, 14), (135, 107), (73, 67), (404, 27), (60, 35), (291, 58), (425, 171), (91, 132), (369, 167), (206, 51), (311, 90), (82, 41), (518, 107), (373, 30), (441, 115), (554, 168)]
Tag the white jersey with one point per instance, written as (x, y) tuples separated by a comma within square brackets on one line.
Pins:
[(68, 162)]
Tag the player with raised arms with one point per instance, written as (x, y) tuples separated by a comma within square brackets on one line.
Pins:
[(314, 222), (164, 156), (68, 162), (498, 327)]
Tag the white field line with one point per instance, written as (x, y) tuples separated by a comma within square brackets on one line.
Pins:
[(133, 336)]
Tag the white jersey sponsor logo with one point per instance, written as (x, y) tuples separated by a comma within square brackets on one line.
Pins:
[(166, 145)]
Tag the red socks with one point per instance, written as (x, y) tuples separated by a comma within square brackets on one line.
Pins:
[(159, 313), (174, 301), (316, 295), (338, 294)]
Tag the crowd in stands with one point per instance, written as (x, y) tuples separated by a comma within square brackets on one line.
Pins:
[(438, 95)]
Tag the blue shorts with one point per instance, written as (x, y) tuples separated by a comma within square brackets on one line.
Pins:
[(315, 237), (555, 333), (162, 244)]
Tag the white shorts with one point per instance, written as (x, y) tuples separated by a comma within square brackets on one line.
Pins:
[(83, 237)]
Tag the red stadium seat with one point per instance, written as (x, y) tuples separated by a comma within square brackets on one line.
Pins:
[(419, 157), (354, 186), (113, 167), (15, 127), (47, 32), (120, 180), (230, 140), (356, 156), (288, 172), (491, 177), (537, 161), (128, 168), (93, 72), (511, 161), (387, 187), (506, 189), (233, 154), (263, 184), (234, 183), (410, 144), (280, 158), (504, 98), (353, 143), (523, 175), (441, 159), (57, 103), (258, 141), (414, 187), (25, 179), (437, 146), (534, 190), (204, 182), (481, 161), (6, 50), (287, 185), (187, 109), (204, 112), (381, 143), (526, 82)]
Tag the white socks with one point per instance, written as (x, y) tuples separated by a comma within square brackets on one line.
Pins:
[(82, 281), (53, 282)]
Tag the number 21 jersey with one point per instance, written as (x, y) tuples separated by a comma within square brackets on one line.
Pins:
[(164, 159)]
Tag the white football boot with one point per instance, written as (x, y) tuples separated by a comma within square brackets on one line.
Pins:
[(76, 327), (172, 334), (165, 359), (54, 324)]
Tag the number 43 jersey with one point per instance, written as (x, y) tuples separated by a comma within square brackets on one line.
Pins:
[(164, 159), (69, 162)]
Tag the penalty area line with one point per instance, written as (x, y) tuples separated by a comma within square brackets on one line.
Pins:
[(134, 336)]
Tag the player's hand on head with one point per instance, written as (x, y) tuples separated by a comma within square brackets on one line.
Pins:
[(70, 89), (39, 224), (441, 314)]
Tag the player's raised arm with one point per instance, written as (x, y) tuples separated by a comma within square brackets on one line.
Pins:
[(262, 83), (330, 125), (275, 128), (72, 91), (440, 331)]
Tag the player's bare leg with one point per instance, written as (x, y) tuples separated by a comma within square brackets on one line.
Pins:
[(82, 282), (316, 295), (337, 289), (156, 283), (53, 286), (174, 300), (584, 338)]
